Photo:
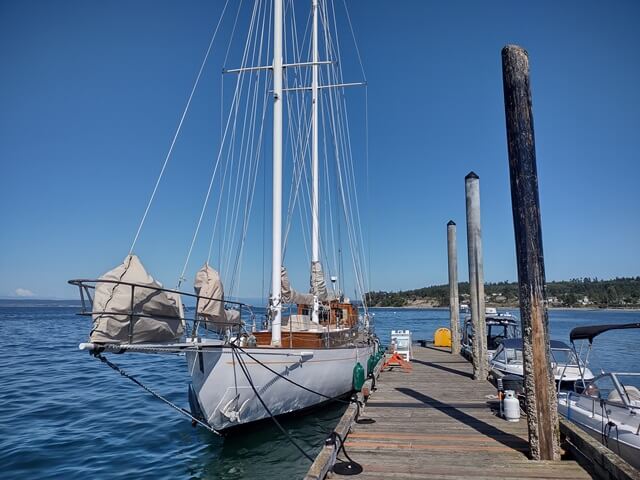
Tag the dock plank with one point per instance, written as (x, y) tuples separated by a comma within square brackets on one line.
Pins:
[(436, 422)]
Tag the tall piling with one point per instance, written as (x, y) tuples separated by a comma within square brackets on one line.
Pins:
[(476, 276), (454, 307), (542, 413)]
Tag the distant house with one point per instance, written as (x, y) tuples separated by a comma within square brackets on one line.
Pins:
[(585, 301)]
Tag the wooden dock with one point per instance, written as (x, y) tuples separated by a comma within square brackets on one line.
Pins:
[(436, 422)]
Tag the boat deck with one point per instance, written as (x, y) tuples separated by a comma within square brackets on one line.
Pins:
[(437, 422)]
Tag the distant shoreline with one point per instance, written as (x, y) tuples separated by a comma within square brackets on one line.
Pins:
[(510, 307)]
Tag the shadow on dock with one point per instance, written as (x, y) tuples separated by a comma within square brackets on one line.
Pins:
[(439, 366), (454, 412), (437, 423)]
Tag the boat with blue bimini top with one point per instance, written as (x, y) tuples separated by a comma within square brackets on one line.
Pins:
[(309, 347), (608, 407)]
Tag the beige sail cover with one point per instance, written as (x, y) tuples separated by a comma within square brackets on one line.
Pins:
[(289, 295), (165, 323), (208, 285), (318, 285)]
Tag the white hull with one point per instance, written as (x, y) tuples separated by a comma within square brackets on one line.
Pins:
[(227, 399), (587, 413), (568, 375)]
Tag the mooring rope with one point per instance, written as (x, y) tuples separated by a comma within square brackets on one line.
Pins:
[(275, 420), (336, 398), (115, 367), (234, 349)]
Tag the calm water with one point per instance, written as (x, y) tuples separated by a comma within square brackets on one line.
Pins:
[(65, 415)]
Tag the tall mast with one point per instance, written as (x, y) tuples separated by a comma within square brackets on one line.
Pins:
[(315, 220), (276, 263)]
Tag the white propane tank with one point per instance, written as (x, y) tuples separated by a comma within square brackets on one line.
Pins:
[(511, 406)]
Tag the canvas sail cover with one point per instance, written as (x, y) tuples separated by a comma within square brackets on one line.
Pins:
[(289, 295), (318, 285), (158, 314), (208, 286)]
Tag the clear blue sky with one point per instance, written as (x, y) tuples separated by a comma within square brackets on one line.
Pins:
[(91, 92)]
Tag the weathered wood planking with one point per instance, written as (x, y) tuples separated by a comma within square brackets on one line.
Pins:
[(438, 423)]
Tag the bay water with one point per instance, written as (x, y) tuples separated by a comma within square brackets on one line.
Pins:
[(64, 414)]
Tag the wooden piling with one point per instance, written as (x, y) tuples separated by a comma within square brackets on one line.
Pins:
[(454, 307), (476, 276), (541, 401)]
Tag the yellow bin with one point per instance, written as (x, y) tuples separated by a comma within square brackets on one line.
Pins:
[(442, 337)]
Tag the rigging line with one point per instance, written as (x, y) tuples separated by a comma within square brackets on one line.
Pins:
[(298, 161), (292, 141), (249, 202), (204, 205), (302, 99), (300, 148), (355, 199), (332, 79), (328, 217), (245, 370), (368, 184), (355, 232), (299, 171), (355, 43), (351, 173), (226, 56), (339, 145), (329, 196), (177, 132), (257, 156), (247, 155), (233, 32), (263, 291), (237, 192), (299, 185), (246, 148), (337, 245), (264, 189), (337, 398), (345, 201), (348, 156)]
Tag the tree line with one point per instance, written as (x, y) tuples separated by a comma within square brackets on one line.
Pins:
[(619, 292)]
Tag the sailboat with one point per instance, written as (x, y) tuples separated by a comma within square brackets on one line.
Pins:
[(245, 368)]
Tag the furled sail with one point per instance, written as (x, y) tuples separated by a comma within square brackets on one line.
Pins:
[(289, 295), (208, 286), (318, 285), (158, 315)]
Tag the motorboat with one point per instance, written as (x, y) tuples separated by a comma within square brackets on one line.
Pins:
[(608, 408), (500, 327), (567, 368)]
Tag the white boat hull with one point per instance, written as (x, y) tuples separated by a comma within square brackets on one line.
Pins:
[(569, 375), (587, 414), (227, 399)]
